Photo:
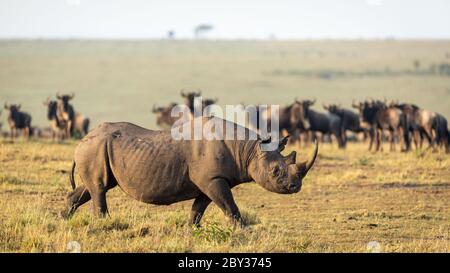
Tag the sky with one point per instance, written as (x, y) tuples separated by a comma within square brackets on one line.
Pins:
[(232, 19)]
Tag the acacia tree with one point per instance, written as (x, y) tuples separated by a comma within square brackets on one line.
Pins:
[(200, 30)]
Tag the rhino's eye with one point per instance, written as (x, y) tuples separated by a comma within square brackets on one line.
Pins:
[(275, 171)]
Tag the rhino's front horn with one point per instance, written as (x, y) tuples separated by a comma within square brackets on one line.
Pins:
[(304, 167)]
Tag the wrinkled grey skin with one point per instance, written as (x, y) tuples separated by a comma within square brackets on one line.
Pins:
[(152, 167)]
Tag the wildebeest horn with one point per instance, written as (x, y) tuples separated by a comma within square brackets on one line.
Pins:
[(72, 96), (182, 93), (58, 96), (6, 106), (304, 167)]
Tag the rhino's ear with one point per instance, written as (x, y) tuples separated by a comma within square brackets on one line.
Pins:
[(291, 158), (283, 143)]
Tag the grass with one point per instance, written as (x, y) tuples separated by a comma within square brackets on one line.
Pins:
[(349, 199)]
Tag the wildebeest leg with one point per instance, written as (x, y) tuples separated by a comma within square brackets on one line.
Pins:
[(69, 129), (219, 192), (416, 138), (26, 133), (429, 136), (371, 138), (392, 134), (344, 138), (75, 199), (198, 208), (13, 133), (379, 136)]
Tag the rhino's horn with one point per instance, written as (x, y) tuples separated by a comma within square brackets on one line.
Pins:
[(304, 167)]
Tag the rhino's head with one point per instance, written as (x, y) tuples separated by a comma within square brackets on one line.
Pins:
[(278, 173)]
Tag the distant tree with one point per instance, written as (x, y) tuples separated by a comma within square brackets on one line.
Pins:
[(202, 29), (170, 34)]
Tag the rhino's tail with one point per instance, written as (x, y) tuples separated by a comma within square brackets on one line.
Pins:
[(72, 176)]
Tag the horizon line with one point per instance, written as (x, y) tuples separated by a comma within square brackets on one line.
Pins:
[(2, 39)]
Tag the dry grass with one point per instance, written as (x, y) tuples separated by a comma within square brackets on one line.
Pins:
[(350, 198)]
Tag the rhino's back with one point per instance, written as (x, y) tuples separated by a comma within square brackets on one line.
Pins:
[(148, 165)]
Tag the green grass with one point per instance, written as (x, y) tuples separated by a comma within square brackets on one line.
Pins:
[(350, 198)]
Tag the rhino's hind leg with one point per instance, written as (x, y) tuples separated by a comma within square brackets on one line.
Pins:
[(100, 206), (75, 199), (198, 209)]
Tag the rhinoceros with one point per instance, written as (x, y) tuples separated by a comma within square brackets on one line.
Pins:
[(153, 167)]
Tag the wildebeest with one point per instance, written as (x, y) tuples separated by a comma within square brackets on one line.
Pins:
[(80, 125), (422, 124), (57, 127), (206, 103), (189, 98), (349, 120), (18, 120), (164, 118), (65, 112), (304, 118), (263, 114), (153, 167), (440, 128), (376, 116), (412, 126), (58, 114)]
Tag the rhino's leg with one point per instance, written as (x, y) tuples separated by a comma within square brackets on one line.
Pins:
[(218, 190), (100, 206), (75, 199), (198, 209)]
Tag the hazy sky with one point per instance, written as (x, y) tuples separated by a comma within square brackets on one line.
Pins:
[(231, 18)]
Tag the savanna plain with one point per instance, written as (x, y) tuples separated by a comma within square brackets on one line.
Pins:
[(350, 198)]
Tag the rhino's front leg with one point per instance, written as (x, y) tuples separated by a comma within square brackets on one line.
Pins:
[(218, 190), (198, 209)]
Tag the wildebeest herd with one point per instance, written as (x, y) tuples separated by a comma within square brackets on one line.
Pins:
[(375, 120), (64, 121), (404, 123)]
